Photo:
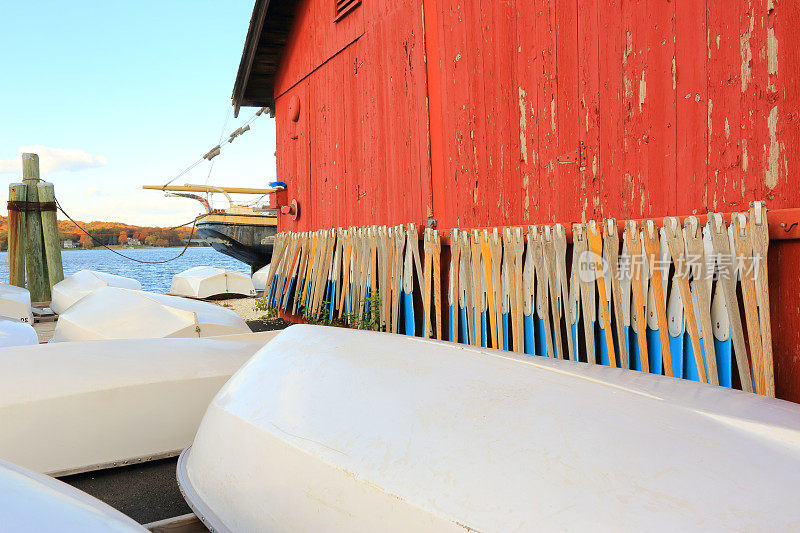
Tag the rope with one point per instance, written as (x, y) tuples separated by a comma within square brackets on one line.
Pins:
[(210, 155), (30, 207), (194, 223)]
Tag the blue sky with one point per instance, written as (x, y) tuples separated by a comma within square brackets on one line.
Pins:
[(118, 94)]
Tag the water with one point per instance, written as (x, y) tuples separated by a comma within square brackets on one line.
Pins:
[(156, 278)]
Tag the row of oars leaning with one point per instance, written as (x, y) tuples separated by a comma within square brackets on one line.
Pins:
[(618, 299)]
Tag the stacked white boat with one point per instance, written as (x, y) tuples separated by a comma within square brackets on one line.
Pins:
[(16, 317), (83, 283), (211, 282), (260, 278), (339, 430), (130, 386)]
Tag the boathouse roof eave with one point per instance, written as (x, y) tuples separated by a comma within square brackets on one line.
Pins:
[(266, 38)]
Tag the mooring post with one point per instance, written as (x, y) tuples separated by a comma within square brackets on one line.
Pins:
[(16, 235), (35, 266), (52, 246)]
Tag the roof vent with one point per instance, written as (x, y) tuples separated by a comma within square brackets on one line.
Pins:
[(344, 7)]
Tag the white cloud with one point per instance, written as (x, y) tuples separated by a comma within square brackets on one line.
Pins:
[(53, 159)]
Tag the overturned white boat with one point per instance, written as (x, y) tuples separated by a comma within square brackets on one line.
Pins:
[(67, 408), (15, 303), (82, 283), (114, 313), (15, 333), (34, 502), (329, 429), (260, 278), (211, 282)]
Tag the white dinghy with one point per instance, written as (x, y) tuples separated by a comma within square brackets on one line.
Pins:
[(114, 313), (15, 303), (84, 282), (33, 502), (260, 278), (329, 429), (68, 408), (14, 333), (211, 282)]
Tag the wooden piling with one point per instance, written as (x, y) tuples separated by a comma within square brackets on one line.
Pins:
[(52, 245), (35, 266), (16, 236)]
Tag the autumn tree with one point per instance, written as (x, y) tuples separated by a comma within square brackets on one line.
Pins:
[(86, 241), (123, 237)]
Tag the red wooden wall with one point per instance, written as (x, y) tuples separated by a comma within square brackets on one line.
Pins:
[(459, 110), (684, 106)]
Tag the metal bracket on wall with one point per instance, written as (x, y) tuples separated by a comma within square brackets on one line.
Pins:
[(293, 210), (576, 156)]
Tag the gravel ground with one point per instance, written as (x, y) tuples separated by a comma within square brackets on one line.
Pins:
[(244, 307)]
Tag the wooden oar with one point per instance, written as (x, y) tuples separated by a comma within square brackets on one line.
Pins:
[(399, 253), (559, 237), (760, 241), (347, 251), (575, 301), (652, 248), (528, 293), (426, 283), (586, 284), (437, 283), (543, 293), (517, 294), (477, 302), (611, 256), (635, 247), (467, 286), (677, 250), (488, 268), (719, 237), (743, 248), (701, 285), (595, 238), (454, 292), (496, 252), (550, 266)]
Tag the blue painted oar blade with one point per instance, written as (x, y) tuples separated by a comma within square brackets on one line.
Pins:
[(451, 336), (332, 298), (627, 332), (574, 333), (530, 340), (408, 314), (633, 339), (690, 367), (654, 353), (676, 351), (723, 353), (463, 325), (600, 335), (289, 292), (484, 333), (505, 331), (541, 338)]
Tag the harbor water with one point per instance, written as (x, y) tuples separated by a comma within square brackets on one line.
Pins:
[(153, 277)]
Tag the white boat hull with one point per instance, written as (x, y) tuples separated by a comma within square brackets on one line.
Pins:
[(260, 278), (35, 503), (339, 430), (114, 313), (209, 282), (67, 408), (81, 284), (13, 333), (15, 303)]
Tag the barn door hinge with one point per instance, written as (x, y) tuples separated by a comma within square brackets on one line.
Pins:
[(576, 156)]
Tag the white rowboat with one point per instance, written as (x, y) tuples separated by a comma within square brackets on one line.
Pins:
[(32, 503), (208, 282), (82, 283), (75, 407), (13, 333), (114, 313), (328, 429), (260, 278), (15, 303)]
